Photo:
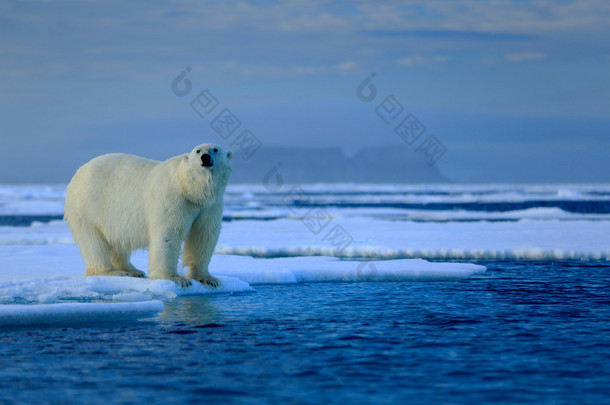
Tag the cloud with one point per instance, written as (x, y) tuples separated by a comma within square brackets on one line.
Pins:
[(410, 60), (347, 66), (421, 60), (531, 17), (524, 56), (450, 34)]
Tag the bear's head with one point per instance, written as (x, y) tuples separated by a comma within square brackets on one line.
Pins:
[(209, 170), (211, 157)]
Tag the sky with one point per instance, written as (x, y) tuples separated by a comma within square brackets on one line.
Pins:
[(508, 91)]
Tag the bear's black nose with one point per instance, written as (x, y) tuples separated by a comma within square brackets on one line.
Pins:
[(206, 160)]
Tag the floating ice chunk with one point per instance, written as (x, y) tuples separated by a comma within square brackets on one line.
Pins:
[(332, 269), (236, 273), (69, 313), (45, 290)]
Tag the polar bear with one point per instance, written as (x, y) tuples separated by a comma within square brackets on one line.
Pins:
[(118, 203)]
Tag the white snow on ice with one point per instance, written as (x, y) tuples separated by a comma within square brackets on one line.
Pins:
[(522, 240), (386, 239)]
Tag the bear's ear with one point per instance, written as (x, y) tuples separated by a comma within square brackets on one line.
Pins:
[(230, 154)]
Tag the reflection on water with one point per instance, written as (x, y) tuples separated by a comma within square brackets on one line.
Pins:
[(193, 310)]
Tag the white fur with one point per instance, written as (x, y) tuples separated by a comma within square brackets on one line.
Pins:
[(118, 203)]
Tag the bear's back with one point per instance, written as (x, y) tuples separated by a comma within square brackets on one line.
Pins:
[(107, 175), (110, 193), (117, 163)]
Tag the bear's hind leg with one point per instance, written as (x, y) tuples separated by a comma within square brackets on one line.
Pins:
[(96, 252), (120, 260)]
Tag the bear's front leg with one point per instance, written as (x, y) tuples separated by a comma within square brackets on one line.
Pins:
[(200, 244), (163, 258)]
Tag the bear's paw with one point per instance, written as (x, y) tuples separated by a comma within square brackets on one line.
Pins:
[(136, 273), (181, 281), (209, 280)]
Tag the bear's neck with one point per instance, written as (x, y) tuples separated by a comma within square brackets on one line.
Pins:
[(199, 187)]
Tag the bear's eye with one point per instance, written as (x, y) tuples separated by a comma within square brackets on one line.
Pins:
[(215, 150), (198, 150)]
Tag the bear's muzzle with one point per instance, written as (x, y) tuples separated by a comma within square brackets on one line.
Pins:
[(206, 160)]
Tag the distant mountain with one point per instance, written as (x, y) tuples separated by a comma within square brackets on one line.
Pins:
[(314, 165)]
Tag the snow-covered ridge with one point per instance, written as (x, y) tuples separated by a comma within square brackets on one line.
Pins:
[(430, 193), (420, 215), (48, 199)]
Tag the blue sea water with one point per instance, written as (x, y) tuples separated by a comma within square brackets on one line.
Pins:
[(525, 332)]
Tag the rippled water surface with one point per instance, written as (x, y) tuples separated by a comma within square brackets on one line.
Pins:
[(523, 333)]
